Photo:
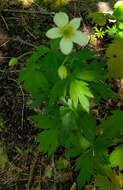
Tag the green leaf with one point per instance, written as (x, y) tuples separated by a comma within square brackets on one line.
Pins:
[(50, 64), (34, 80), (37, 101), (91, 74), (82, 55), (43, 122), (120, 34), (104, 183), (76, 144), (118, 12), (98, 18), (113, 125), (58, 90), (80, 92), (115, 55), (48, 141), (121, 26), (93, 71), (41, 50), (72, 145), (100, 151), (68, 122), (62, 163), (112, 31), (86, 166), (116, 157), (111, 181), (87, 123), (54, 43), (100, 89)]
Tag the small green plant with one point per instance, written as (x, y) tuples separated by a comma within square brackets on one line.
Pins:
[(101, 19), (66, 81), (99, 33), (117, 29)]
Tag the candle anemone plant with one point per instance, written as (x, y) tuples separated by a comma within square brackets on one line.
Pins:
[(67, 31)]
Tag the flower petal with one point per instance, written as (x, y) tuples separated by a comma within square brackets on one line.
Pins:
[(66, 46), (61, 19), (75, 22), (53, 33), (80, 38)]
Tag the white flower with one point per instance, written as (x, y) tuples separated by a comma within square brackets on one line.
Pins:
[(67, 31)]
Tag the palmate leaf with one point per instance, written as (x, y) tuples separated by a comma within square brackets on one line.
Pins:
[(34, 80), (58, 90), (43, 122), (73, 146), (100, 152), (113, 125), (79, 92), (87, 123), (115, 62), (92, 72), (98, 18), (90, 75), (49, 137), (70, 134), (83, 55), (41, 50), (76, 144), (48, 141), (68, 122), (86, 166), (100, 89), (50, 64), (116, 157)]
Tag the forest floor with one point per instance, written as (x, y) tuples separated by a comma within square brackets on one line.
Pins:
[(22, 166)]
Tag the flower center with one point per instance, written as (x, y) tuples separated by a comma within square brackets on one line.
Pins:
[(67, 31)]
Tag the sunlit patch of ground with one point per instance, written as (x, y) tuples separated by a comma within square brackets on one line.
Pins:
[(57, 3), (27, 3)]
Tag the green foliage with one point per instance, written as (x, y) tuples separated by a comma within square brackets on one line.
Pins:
[(118, 12), (34, 80), (101, 90), (65, 85), (111, 181), (79, 91), (62, 163), (116, 157), (99, 33), (98, 18), (101, 19), (86, 166), (48, 141), (115, 55), (112, 30), (113, 125)]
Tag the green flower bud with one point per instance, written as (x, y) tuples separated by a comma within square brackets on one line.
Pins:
[(13, 61), (62, 72)]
